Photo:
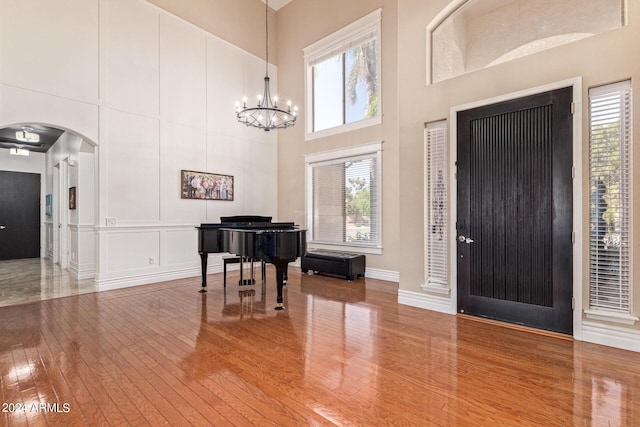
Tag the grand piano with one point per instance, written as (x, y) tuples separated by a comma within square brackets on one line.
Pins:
[(253, 237)]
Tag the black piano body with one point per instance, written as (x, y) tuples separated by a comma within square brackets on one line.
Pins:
[(255, 237)]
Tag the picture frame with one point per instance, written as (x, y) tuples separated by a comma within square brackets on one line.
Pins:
[(49, 204), (72, 198), (206, 186)]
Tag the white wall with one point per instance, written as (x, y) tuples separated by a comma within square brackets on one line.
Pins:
[(154, 95)]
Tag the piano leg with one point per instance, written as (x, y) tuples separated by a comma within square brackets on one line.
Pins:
[(204, 256), (281, 273)]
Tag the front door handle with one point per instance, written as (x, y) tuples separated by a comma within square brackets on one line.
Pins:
[(2, 227), (463, 239)]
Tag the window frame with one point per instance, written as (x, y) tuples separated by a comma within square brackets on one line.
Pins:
[(373, 149), (356, 33), (597, 310), (436, 263)]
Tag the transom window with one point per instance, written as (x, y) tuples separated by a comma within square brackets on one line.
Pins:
[(343, 85), (473, 34)]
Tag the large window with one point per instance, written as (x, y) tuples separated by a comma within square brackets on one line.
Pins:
[(343, 199), (610, 176), (473, 34), (343, 84)]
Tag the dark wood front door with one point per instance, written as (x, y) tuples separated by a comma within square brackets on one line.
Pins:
[(514, 218), (19, 215)]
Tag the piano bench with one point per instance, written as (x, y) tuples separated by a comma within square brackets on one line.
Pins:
[(351, 266), (240, 260)]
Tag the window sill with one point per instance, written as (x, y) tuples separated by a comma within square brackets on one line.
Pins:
[(436, 288), (373, 250), (343, 128), (610, 316)]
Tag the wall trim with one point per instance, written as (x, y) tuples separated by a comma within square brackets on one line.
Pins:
[(148, 278), (146, 227), (429, 302), (121, 279), (379, 274), (612, 336), (81, 272)]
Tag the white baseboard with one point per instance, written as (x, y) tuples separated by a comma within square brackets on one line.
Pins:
[(81, 272), (426, 301), (596, 333), (376, 273), (145, 279), (612, 336)]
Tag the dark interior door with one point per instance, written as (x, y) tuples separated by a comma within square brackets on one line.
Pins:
[(19, 215), (514, 224)]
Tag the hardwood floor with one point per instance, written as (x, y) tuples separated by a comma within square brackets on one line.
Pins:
[(342, 353)]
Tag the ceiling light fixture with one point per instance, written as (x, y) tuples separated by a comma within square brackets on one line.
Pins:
[(266, 115), (27, 135), (19, 151)]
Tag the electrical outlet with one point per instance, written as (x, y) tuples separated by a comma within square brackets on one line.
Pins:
[(111, 221), (152, 260)]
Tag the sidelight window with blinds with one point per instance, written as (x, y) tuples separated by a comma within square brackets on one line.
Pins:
[(344, 199), (435, 208), (610, 199)]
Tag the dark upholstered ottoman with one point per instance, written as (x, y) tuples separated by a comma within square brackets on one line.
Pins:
[(351, 266)]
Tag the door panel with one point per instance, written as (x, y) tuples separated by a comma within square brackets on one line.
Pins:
[(19, 215), (514, 257)]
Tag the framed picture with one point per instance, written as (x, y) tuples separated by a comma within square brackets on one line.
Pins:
[(206, 186), (72, 198), (49, 204)]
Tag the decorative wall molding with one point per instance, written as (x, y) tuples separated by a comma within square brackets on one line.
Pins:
[(145, 227)]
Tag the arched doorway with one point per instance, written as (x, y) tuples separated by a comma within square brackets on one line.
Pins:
[(66, 162)]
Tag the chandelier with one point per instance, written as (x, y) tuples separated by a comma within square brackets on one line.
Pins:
[(27, 135), (266, 115)]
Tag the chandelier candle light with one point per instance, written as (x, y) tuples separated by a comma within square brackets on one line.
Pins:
[(266, 115)]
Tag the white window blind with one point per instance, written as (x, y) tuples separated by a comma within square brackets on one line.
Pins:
[(435, 210), (610, 203), (344, 199), (345, 202)]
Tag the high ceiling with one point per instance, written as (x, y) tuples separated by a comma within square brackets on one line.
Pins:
[(48, 136)]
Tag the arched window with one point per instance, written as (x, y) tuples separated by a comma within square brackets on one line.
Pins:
[(473, 34)]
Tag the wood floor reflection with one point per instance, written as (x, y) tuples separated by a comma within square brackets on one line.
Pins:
[(342, 353)]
